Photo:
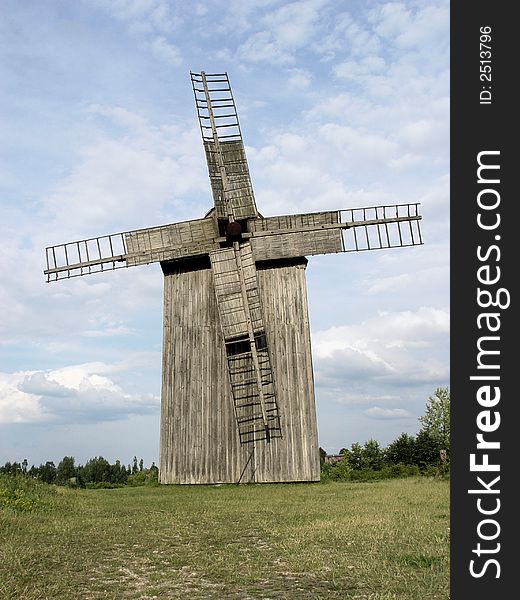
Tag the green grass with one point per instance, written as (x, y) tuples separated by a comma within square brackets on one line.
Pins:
[(384, 540)]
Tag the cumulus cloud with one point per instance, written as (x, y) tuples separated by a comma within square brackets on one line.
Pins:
[(350, 398), (368, 65), (299, 78), (406, 329), (143, 16), (389, 357), (283, 30), (17, 406), (144, 170), (76, 394), (345, 27), (377, 412), (151, 20), (293, 24), (166, 50), (410, 27)]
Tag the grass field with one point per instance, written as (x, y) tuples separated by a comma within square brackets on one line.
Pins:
[(383, 540)]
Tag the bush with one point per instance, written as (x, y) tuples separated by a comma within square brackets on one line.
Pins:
[(22, 493), (145, 477), (442, 471), (107, 485), (402, 470), (341, 471)]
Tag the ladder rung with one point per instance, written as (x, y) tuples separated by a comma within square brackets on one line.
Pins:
[(219, 116)]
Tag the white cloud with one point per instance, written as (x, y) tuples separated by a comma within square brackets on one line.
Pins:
[(152, 21), (361, 149), (261, 46), (406, 329), (282, 31), (410, 28), (167, 51), (142, 15), (352, 69), (346, 34), (76, 394), (293, 24), (350, 398), (387, 413), (400, 352), (299, 78), (142, 172), (17, 406)]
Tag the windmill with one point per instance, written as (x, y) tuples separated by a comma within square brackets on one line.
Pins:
[(237, 399)]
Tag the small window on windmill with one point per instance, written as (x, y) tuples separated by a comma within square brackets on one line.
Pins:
[(240, 345), (260, 340)]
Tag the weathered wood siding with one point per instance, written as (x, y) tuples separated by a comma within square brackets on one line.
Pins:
[(168, 242), (199, 435), (240, 192), (295, 457), (300, 243)]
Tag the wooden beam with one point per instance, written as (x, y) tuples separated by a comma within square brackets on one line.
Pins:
[(345, 225), (87, 263)]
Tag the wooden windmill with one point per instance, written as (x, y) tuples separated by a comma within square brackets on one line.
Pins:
[(237, 401)]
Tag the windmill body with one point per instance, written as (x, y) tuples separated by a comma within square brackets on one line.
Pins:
[(201, 441), (237, 399)]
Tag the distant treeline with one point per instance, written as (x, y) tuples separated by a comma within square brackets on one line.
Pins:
[(427, 453), (96, 472), (404, 457)]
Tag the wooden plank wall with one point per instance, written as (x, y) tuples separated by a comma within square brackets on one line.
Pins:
[(295, 457), (168, 242), (302, 243), (199, 436), (240, 192)]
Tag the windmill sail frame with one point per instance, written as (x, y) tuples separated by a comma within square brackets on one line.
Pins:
[(287, 236)]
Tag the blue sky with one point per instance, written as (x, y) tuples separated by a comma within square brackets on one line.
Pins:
[(342, 104)]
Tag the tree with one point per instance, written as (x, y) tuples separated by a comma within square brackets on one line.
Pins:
[(97, 470), (47, 472), (436, 419), (427, 450), (118, 473), (401, 450), (354, 456), (372, 455), (11, 468), (323, 454), (66, 470)]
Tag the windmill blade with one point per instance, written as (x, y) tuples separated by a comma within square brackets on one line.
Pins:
[(131, 248), (227, 164), (249, 366), (350, 230)]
